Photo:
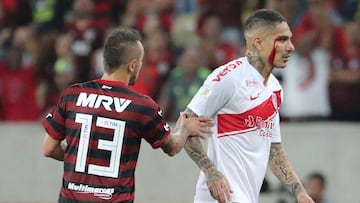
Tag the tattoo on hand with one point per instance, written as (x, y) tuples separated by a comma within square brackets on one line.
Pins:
[(213, 176)]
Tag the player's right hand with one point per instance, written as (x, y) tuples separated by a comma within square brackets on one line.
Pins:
[(218, 185), (303, 197), (197, 126)]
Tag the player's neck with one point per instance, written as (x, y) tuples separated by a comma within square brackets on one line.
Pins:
[(116, 76), (259, 65)]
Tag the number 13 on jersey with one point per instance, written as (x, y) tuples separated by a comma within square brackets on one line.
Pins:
[(113, 146)]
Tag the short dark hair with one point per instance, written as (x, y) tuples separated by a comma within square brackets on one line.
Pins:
[(263, 17), (118, 45)]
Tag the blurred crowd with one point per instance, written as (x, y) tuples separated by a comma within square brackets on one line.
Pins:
[(47, 45)]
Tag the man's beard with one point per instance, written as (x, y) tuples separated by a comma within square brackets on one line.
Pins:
[(132, 80)]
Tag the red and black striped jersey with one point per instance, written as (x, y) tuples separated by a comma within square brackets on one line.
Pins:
[(103, 123)]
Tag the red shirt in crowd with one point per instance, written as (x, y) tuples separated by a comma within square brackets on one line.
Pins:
[(18, 94)]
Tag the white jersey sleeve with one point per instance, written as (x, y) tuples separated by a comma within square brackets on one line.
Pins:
[(212, 96), (276, 134)]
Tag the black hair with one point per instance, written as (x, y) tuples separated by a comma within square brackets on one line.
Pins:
[(118, 46), (263, 17)]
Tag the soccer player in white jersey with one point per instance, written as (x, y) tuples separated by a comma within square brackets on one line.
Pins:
[(244, 98)]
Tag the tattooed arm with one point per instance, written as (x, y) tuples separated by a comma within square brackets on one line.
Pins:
[(185, 127), (282, 169), (215, 180)]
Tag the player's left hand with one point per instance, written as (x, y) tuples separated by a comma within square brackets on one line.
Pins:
[(303, 197)]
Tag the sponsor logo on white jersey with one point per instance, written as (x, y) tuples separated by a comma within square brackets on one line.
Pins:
[(99, 192), (251, 122), (95, 101), (227, 69), (252, 83)]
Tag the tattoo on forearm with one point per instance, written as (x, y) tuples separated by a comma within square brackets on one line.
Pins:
[(195, 150), (213, 176), (281, 168), (294, 188)]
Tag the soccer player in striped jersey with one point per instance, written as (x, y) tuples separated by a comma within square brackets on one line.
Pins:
[(103, 123), (244, 99)]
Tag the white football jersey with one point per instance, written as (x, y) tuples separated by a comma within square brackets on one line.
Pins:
[(245, 111)]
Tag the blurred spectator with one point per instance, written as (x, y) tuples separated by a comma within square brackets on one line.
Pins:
[(17, 88), (229, 13), (182, 84), (319, 43), (215, 50), (305, 84), (14, 13), (49, 14), (97, 60), (317, 28), (345, 79), (97, 64), (183, 32), (158, 61), (23, 38), (288, 8), (315, 185), (139, 12), (109, 12), (348, 9), (63, 71), (87, 36), (45, 59), (5, 41), (184, 28), (184, 7)]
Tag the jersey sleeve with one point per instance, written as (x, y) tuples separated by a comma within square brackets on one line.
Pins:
[(54, 122), (276, 136), (212, 96), (156, 129)]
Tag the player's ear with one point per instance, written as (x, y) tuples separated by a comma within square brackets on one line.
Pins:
[(132, 65), (258, 43)]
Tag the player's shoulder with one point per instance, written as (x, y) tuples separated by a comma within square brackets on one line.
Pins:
[(96, 87), (85, 84), (228, 71), (142, 100), (228, 75)]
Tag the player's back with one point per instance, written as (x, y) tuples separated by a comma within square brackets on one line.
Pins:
[(103, 123)]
